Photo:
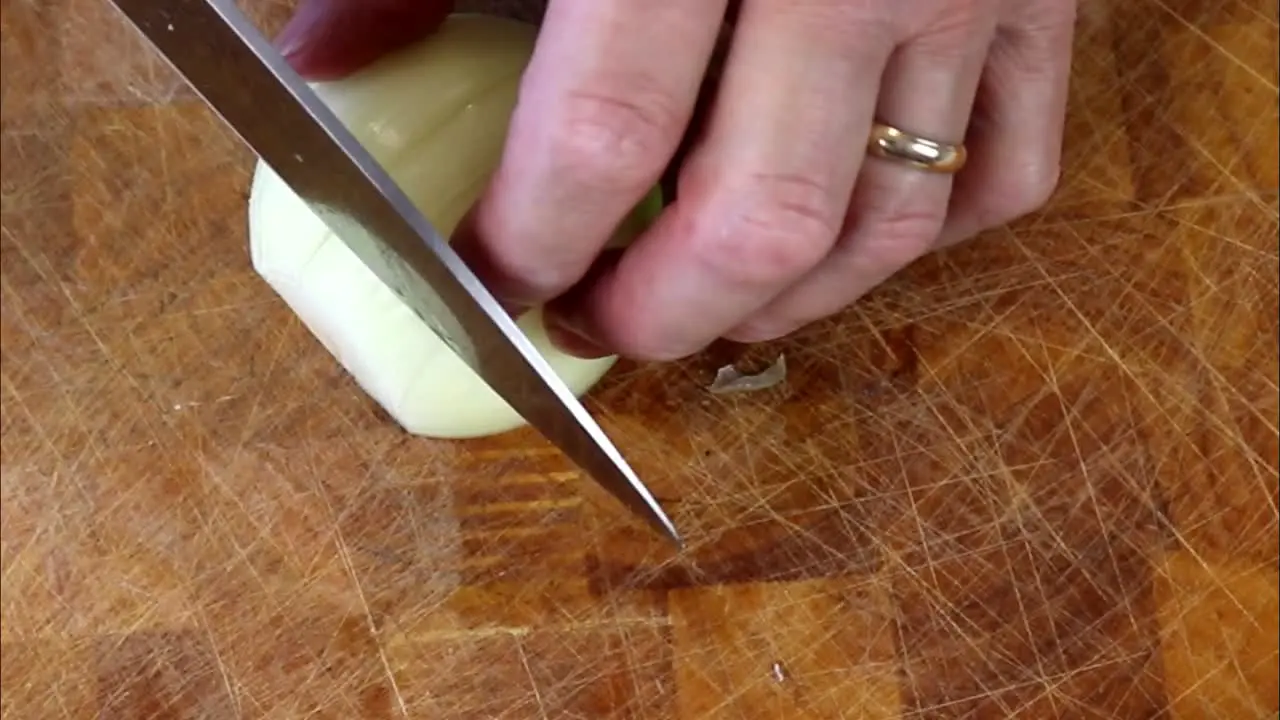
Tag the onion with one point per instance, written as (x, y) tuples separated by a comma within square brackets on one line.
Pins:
[(730, 379), (435, 116)]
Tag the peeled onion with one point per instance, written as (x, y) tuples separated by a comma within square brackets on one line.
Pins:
[(435, 116)]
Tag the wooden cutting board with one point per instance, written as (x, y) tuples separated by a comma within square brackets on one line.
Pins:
[(1035, 476)]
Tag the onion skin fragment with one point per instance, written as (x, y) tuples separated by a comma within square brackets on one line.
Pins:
[(730, 379)]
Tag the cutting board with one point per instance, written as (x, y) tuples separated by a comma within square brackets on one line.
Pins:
[(1033, 476)]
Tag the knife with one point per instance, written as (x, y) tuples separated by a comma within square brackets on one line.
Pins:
[(237, 71)]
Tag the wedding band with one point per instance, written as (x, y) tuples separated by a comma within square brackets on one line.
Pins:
[(891, 143)]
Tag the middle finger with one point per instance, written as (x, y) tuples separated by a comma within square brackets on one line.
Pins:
[(762, 198)]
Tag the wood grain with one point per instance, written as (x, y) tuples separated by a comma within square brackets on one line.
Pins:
[(1034, 476)]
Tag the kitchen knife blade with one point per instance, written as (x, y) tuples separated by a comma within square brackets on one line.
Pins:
[(236, 70)]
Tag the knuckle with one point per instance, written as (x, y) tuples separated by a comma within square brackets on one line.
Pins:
[(647, 337), (952, 28), (534, 281), (775, 238), (615, 141), (832, 22), (899, 239), (1038, 185), (1045, 16), (1020, 192)]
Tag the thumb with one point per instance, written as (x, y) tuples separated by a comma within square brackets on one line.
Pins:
[(328, 39)]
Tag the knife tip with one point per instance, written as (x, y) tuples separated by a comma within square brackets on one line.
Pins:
[(667, 528)]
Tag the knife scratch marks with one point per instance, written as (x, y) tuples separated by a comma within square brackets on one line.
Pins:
[(1065, 503), (533, 683), (372, 625)]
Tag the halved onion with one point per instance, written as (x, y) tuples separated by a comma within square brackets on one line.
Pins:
[(435, 116)]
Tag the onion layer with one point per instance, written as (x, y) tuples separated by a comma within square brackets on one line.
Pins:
[(435, 116)]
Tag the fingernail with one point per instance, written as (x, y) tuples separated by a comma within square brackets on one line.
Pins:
[(515, 310), (570, 339), (749, 334), (329, 39), (295, 34), (289, 43)]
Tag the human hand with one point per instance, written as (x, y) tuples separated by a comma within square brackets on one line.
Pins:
[(782, 217)]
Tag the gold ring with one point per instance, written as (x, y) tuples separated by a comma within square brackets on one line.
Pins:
[(891, 143)]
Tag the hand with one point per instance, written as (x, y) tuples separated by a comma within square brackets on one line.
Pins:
[(781, 216)]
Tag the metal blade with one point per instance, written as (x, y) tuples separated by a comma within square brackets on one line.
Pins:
[(246, 81)]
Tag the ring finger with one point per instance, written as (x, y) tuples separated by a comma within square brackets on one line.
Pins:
[(897, 210)]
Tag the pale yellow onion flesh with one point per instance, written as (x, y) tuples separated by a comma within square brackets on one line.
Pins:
[(435, 116)]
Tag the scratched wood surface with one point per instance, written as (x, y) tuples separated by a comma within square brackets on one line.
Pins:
[(1032, 477)]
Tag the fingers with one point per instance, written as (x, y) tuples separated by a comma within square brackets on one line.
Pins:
[(897, 210), (696, 129), (602, 107), (1015, 142), (329, 39), (762, 197)]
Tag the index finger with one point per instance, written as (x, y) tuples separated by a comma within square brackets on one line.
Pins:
[(600, 113)]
